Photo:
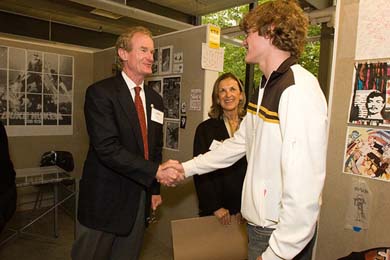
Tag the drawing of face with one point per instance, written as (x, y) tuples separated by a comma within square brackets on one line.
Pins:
[(375, 105)]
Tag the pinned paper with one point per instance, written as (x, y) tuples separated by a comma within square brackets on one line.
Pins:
[(358, 206)]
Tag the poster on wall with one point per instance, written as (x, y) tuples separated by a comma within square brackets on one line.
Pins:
[(171, 130), (166, 60), (370, 99), (358, 206), (171, 94), (367, 153), (373, 35), (155, 84), (36, 92)]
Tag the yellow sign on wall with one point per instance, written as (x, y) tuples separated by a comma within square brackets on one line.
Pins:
[(214, 36)]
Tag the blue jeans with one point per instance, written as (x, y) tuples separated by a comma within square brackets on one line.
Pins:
[(258, 243)]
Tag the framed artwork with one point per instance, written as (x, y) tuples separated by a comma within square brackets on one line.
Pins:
[(156, 84), (166, 60), (171, 140), (171, 94), (36, 92)]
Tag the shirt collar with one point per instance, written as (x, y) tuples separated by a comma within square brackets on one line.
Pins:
[(130, 84), (286, 64)]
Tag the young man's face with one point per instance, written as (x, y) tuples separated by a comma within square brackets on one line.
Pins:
[(256, 47)]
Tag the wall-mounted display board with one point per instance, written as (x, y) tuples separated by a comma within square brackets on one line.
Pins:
[(351, 219), (186, 90)]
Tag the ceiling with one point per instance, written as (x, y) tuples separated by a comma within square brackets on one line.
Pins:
[(71, 21)]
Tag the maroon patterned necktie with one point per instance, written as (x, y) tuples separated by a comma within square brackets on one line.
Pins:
[(142, 121)]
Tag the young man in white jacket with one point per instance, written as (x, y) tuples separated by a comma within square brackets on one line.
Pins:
[(284, 137)]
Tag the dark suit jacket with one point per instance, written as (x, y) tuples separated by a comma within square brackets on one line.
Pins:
[(7, 181), (115, 171), (223, 187)]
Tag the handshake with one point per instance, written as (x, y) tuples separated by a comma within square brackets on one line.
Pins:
[(170, 173)]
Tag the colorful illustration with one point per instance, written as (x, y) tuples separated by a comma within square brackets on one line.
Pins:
[(367, 153)]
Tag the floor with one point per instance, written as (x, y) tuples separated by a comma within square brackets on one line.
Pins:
[(30, 247)]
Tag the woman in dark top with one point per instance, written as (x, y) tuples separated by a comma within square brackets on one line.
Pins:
[(219, 192), (7, 181)]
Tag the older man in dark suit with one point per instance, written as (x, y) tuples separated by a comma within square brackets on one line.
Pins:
[(119, 182)]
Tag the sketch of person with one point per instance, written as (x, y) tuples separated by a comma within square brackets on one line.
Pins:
[(375, 103), (359, 202)]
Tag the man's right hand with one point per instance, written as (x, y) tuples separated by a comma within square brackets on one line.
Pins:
[(170, 173)]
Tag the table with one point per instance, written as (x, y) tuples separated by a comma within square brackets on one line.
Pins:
[(53, 175)]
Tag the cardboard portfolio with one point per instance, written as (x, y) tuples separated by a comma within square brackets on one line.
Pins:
[(205, 238)]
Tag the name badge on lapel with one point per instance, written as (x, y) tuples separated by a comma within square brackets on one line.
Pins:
[(157, 116)]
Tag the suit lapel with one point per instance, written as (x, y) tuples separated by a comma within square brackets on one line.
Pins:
[(127, 103)]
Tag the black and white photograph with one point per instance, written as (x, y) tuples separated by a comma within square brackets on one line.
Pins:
[(36, 89), (178, 68), (17, 59), (34, 82), (50, 103), (17, 81), (171, 94), (3, 57), (34, 61), (34, 103), (171, 135), (50, 63), (66, 65), (156, 85), (156, 61), (65, 105), (370, 98), (183, 122), (65, 85), (50, 107), (50, 83), (178, 57), (166, 60)]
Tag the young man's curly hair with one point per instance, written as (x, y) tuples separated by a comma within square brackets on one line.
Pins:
[(281, 20)]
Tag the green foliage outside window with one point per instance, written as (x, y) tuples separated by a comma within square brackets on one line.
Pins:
[(235, 56)]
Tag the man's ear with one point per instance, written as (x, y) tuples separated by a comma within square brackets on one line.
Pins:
[(122, 53)]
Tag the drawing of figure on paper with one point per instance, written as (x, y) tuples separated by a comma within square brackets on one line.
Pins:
[(359, 202)]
